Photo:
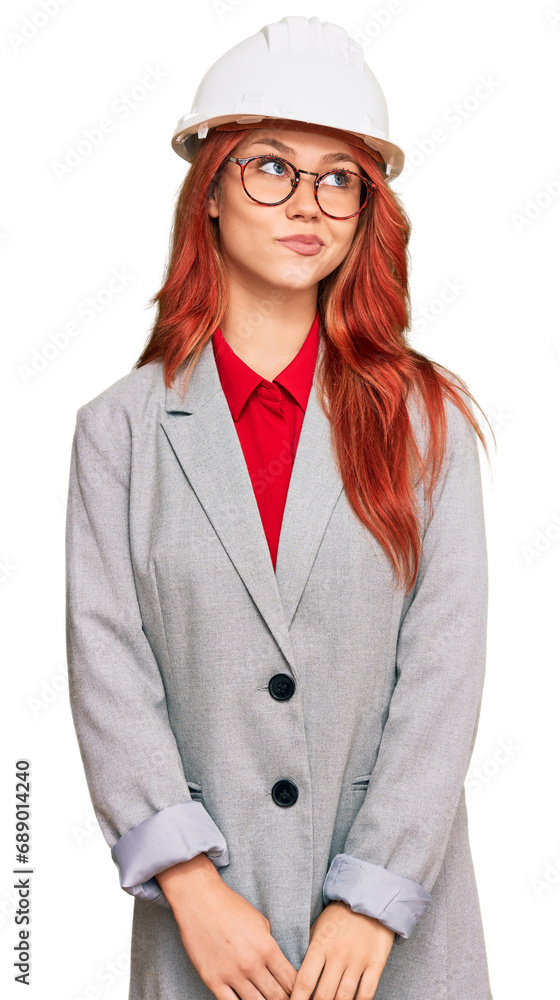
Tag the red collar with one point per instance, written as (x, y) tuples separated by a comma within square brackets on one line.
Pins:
[(239, 381)]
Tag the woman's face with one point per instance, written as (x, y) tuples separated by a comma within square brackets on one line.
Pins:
[(250, 233)]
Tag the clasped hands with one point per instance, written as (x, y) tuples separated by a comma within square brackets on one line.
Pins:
[(348, 950), (229, 943)]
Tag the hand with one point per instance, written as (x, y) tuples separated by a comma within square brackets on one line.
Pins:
[(348, 948), (226, 938)]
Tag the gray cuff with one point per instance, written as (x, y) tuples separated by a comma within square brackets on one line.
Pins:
[(392, 899), (176, 833)]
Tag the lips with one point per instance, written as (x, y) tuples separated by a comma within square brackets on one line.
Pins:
[(303, 243)]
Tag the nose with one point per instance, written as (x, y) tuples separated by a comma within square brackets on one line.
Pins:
[(303, 197)]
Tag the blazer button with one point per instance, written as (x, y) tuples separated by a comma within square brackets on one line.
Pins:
[(281, 686), (284, 792)]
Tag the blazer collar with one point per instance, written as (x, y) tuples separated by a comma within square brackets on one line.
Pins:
[(203, 436)]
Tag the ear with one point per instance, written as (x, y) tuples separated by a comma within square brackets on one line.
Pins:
[(213, 199)]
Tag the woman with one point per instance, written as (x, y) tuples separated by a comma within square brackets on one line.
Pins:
[(277, 579)]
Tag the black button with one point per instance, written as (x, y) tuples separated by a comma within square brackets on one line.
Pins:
[(284, 792), (281, 686)]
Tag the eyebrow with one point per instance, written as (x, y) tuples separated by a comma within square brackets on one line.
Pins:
[(326, 158)]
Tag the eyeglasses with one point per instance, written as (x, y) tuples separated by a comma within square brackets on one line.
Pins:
[(340, 194)]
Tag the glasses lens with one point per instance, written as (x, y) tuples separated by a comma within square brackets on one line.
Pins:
[(270, 180), (342, 193)]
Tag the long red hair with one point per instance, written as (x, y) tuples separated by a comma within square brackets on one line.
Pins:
[(367, 368)]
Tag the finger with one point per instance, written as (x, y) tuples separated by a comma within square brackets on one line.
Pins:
[(282, 970), (332, 982), (306, 979), (264, 984), (368, 985), (226, 993)]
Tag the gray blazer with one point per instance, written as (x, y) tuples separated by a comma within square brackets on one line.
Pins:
[(309, 728)]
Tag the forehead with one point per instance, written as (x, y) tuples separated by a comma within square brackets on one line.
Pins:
[(298, 139), (298, 145)]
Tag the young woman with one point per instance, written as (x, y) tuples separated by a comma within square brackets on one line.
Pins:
[(277, 576)]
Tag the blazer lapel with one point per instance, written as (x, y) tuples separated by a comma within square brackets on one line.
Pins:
[(203, 436), (315, 486)]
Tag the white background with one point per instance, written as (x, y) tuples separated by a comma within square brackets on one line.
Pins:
[(484, 204)]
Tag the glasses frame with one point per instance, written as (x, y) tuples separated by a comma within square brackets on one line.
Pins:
[(244, 160)]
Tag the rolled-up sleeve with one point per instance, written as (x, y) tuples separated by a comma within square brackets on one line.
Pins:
[(396, 844), (131, 759)]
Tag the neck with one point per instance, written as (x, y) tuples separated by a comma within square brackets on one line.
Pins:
[(266, 329)]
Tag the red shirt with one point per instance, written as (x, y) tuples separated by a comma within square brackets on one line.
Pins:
[(268, 418)]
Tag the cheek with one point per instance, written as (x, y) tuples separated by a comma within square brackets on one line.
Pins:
[(341, 248), (243, 233), (344, 249)]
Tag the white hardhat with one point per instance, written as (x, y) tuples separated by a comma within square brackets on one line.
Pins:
[(300, 69)]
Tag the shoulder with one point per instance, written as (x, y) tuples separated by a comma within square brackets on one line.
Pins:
[(459, 432), (130, 395), (107, 423)]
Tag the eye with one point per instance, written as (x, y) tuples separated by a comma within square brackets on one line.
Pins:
[(271, 161), (337, 178)]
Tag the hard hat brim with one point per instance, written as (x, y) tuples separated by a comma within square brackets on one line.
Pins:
[(191, 130)]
